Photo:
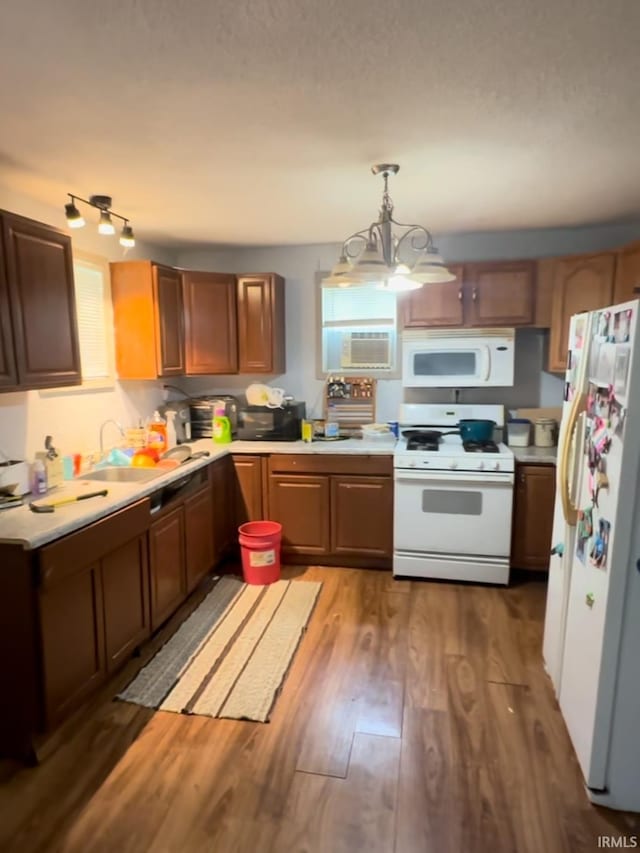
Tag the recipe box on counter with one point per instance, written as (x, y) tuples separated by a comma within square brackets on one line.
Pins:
[(15, 473)]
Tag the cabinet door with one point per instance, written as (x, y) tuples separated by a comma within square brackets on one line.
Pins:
[(261, 338), (72, 636), (627, 284), (434, 304), (167, 565), (301, 504), (223, 490), (533, 516), (167, 288), (125, 590), (499, 294), (42, 303), (8, 371), (362, 516), (582, 283), (249, 505), (211, 340), (198, 536)]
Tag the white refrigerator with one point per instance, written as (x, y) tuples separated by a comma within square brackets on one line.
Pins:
[(591, 644)]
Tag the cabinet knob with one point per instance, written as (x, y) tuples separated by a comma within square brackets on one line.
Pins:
[(474, 294), (638, 565), (460, 294), (589, 599)]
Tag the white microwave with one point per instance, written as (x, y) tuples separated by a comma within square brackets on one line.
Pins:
[(458, 358)]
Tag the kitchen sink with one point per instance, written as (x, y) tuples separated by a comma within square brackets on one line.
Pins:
[(123, 475)]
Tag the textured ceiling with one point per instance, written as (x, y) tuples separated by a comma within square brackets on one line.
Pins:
[(257, 122)]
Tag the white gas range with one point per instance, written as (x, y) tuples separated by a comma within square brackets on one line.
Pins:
[(453, 501)]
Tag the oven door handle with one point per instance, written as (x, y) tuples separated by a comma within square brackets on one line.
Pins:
[(458, 478)]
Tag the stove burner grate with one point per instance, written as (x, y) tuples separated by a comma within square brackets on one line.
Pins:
[(422, 442), (480, 447)]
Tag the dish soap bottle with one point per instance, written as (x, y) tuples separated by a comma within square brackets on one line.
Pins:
[(221, 425), (157, 433)]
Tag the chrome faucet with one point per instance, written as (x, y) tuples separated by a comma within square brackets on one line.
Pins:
[(102, 426)]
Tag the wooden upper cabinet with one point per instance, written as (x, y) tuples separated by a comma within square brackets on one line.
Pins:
[(581, 283), (499, 294), (627, 282), (167, 289), (148, 320), (261, 335), (42, 306), (496, 293), (435, 304), (8, 370), (210, 319)]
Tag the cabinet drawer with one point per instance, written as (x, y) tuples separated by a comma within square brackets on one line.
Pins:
[(373, 464), (78, 550)]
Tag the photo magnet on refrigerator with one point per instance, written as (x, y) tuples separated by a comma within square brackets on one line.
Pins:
[(600, 547)]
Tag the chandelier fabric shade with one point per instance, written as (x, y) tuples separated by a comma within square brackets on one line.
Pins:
[(393, 260)]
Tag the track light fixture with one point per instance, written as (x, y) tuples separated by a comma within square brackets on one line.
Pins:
[(105, 223)]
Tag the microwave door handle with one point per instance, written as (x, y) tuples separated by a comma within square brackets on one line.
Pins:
[(487, 364)]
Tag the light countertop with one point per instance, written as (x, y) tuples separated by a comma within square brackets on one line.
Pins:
[(536, 455), (19, 525)]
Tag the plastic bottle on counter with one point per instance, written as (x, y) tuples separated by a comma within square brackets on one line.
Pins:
[(157, 433), (172, 436), (38, 478), (221, 425)]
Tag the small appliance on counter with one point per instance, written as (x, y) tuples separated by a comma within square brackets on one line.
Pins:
[(202, 411), (14, 475), (264, 423)]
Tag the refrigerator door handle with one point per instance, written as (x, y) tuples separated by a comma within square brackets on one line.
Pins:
[(569, 511)]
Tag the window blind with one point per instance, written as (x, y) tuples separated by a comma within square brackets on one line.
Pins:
[(357, 304), (92, 324)]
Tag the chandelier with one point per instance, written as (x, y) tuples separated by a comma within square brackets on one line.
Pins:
[(105, 223), (395, 262)]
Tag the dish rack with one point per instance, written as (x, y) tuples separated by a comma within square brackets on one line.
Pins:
[(350, 401)]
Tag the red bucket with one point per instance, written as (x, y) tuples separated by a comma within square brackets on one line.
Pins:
[(260, 549)]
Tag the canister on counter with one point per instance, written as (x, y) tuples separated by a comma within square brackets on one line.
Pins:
[(545, 432), (307, 431)]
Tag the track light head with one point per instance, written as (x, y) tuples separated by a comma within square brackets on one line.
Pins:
[(74, 217), (106, 226), (127, 238)]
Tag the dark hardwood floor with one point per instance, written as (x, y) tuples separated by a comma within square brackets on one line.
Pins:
[(416, 717)]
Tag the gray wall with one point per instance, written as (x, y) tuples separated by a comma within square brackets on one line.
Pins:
[(299, 264)]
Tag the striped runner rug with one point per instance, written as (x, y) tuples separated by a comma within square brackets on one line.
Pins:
[(230, 657)]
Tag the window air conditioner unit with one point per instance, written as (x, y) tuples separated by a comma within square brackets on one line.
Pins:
[(366, 350)]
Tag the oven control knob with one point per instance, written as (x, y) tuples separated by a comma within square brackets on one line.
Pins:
[(480, 465), (496, 466), (412, 464), (453, 464)]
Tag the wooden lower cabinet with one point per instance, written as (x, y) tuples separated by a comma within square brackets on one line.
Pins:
[(334, 509), (125, 589), (198, 510), (301, 504), (167, 563), (249, 503), (362, 516), (534, 500), (223, 505), (72, 636)]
